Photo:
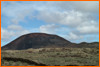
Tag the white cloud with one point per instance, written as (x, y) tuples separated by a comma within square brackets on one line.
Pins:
[(87, 6), (12, 31), (83, 6), (73, 36), (16, 11), (15, 27), (69, 18), (50, 28), (91, 27), (80, 21), (73, 19), (88, 29), (6, 35)]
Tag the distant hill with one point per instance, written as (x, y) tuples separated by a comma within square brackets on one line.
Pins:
[(43, 40)]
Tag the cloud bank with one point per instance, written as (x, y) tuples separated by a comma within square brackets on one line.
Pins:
[(73, 20)]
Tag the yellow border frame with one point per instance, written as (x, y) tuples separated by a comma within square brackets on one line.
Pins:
[(48, 0)]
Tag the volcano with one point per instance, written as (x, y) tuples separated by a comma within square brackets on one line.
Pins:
[(37, 40), (43, 40)]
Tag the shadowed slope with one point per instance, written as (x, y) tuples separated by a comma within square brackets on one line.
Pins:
[(37, 40)]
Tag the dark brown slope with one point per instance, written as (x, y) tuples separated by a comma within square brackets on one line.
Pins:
[(88, 45), (42, 40), (37, 40)]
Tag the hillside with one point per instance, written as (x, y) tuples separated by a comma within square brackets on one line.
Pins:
[(51, 57), (43, 40), (40, 49)]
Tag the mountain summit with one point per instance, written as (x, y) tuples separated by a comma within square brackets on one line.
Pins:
[(36, 40)]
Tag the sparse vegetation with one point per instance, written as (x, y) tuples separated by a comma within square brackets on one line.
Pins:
[(52, 57)]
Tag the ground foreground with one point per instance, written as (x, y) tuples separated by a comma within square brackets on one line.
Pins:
[(51, 57)]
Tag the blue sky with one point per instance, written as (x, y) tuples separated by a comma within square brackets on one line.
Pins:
[(76, 21)]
